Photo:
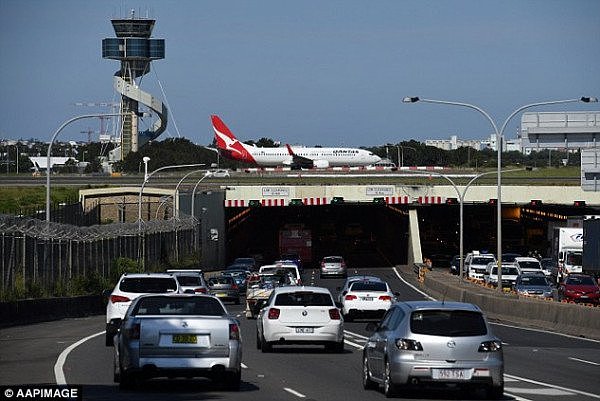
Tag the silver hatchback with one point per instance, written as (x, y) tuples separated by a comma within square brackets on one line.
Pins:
[(333, 266), (433, 343)]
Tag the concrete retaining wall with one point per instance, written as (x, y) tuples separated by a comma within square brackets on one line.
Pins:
[(577, 320), (41, 310)]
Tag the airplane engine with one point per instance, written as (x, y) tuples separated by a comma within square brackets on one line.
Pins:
[(321, 164)]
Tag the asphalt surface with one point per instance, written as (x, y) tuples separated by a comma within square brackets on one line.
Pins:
[(538, 365)]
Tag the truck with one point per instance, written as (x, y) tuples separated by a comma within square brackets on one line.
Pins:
[(591, 247), (296, 239), (567, 246)]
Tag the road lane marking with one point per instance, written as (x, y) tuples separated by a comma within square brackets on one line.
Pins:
[(59, 374), (244, 366), (584, 361), (596, 396), (413, 287), (355, 345), (352, 334), (294, 392), (516, 397), (540, 391)]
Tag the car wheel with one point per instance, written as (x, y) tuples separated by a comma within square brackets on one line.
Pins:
[(348, 318), (368, 384), (126, 380), (232, 380), (495, 392), (258, 344), (336, 348), (265, 346), (111, 331), (389, 389)]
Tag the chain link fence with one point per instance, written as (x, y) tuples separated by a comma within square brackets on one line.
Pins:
[(42, 256)]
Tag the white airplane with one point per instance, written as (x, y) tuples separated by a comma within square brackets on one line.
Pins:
[(293, 156)]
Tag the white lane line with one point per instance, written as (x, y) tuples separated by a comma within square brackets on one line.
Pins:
[(540, 391), (355, 345), (584, 361), (59, 375), (516, 397), (546, 332), (413, 287), (291, 391), (352, 334), (244, 366), (596, 396)]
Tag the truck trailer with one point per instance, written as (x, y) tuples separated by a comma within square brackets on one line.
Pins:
[(568, 248), (591, 247)]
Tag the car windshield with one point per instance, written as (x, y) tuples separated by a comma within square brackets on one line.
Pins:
[(220, 280), (304, 298), (368, 286), (510, 271), (530, 265), (574, 259), (580, 280), (449, 323), (481, 261), (148, 284), (509, 257), (534, 280), (206, 306), (189, 280), (332, 259)]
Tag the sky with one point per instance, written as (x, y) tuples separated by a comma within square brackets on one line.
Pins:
[(310, 72)]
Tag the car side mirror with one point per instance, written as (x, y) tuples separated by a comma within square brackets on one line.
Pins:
[(372, 327), (397, 294), (344, 293), (338, 305), (189, 291), (106, 293), (338, 288)]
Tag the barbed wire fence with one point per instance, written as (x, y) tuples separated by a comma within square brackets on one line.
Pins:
[(46, 255)]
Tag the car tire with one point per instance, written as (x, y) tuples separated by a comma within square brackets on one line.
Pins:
[(258, 342), (367, 383), (389, 388), (232, 380), (126, 380), (336, 348), (348, 318), (111, 331), (495, 392), (265, 346)]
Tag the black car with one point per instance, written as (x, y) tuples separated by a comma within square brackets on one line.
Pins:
[(455, 265)]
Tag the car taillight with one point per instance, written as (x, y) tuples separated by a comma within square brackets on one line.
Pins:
[(201, 290), (344, 264), (334, 314), (274, 313), (133, 333), (118, 298), (235, 287), (490, 346), (234, 331), (408, 344), (350, 297), (322, 265), (385, 298)]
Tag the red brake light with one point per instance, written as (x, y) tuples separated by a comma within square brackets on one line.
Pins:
[(274, 313), (201, 290), (235, 287), (234, 331), (322, 264), (134, 332), (334, 314), (118, 298), (385, 298), (350, 297)]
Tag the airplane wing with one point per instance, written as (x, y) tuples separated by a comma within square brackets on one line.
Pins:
[(299, 162)]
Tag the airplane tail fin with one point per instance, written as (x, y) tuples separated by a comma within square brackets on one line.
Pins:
[(222, 133), (289, 149)]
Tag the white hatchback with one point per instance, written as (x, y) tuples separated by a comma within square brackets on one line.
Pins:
[(300, 315), (367, 298)]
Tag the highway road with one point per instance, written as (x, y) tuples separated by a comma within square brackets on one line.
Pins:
[(538, 365)]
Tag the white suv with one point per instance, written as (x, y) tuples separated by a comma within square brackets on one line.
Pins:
[(478, 263), (128, 288)]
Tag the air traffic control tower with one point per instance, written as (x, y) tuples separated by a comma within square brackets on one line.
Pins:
[(135, 50)]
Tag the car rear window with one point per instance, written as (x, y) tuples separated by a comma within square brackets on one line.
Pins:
[(580, 280), (450, 323), (220, 280), (303, 299), (368, 286), (534, 280), (187, 306), (332, 259), (189, 280), (148, 284), (530, 265), (481, 261)]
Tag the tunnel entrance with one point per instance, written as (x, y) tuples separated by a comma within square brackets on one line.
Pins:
[(366, 235)]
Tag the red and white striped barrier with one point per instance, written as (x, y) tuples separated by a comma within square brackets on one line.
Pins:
[(235, 203), (397, 200), (273, 202), (429, 200), (314, 201)]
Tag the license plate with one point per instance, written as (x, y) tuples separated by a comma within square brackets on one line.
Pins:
[(305, 330), (367, 298), (184, 339), (451, 374)]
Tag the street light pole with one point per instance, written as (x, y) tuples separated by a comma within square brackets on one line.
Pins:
[(50, 151), (401, 160), (176, 200), (498, 134), (206, 175)]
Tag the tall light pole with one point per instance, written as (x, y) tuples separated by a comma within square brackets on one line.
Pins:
[(498, 134), (145, 159), (206, 175), (176, 200), (401, 160), (50, 151)]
